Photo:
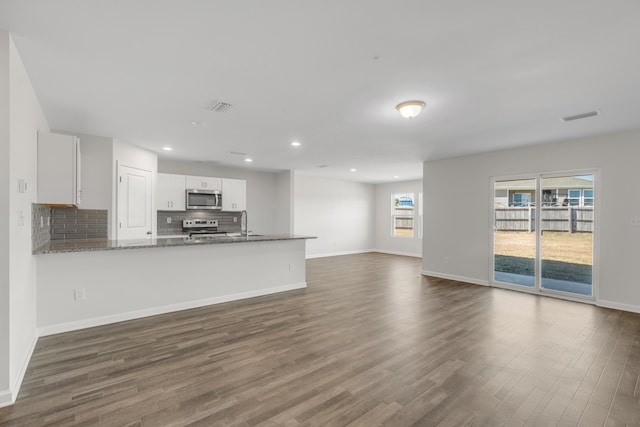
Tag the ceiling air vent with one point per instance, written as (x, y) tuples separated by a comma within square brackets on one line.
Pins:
[(220, 107), (580, 116)]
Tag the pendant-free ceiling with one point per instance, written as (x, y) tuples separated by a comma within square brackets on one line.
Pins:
[(410, 109)]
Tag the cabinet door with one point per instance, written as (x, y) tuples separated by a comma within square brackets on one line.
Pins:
[(234, 195), (195, 182), (171, 192), (203, 183), (58, 169), (241, 195), (213, 183)]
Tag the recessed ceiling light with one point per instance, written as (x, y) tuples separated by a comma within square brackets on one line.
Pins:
[(248, 160), (396, 176), (295, 144), (167, 148), (353, 170)]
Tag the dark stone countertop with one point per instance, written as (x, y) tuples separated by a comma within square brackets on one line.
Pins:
[(88, 245)]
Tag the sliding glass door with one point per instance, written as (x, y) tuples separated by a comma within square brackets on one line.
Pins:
[(566, 241), (514, 239), (543, 229)]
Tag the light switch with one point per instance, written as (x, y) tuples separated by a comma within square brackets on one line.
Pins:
[(22, 186)]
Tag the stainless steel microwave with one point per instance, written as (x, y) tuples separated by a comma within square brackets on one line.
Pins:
[(204, 199)]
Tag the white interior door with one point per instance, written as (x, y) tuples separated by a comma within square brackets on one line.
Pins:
[(134, 203)]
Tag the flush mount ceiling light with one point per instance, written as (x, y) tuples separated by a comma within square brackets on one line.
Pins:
[(410, 109), (167, 148), (248, 160), (295, 144), (353, 170)]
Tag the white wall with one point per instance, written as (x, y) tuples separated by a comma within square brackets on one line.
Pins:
[(385, 241), (125, 154), (24, 117), (339, 213), (5, 143), (262, 207), (132, 283), (284, 202), (449, 231)]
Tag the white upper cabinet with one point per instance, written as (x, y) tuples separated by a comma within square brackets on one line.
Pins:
[(59, 169), (234, 195), (203, 183), (171, 192)]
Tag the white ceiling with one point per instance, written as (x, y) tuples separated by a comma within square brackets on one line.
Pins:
[(494, 74)]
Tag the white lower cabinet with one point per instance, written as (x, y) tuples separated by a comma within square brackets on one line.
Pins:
[(234, 195), (171, 194)]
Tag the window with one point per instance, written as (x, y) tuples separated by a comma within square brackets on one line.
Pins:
[(402, 209), (521, 199), (574, 198), (588, 197), (420, 215)]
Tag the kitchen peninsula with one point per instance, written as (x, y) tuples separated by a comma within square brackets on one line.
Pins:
[(91, 282)]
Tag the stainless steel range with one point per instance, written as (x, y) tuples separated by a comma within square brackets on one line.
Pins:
[(201, 227)]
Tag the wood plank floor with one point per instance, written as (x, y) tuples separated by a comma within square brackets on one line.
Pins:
[(369, 342)]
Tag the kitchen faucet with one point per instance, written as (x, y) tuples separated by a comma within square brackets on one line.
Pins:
[(244, 224)]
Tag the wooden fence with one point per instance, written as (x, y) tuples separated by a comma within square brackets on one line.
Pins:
[(565, 218)]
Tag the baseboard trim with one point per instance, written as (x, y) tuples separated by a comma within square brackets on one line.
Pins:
[(618, 306), (384, 251), (121, 317), (457, 278), (8, 397), (328, 254)]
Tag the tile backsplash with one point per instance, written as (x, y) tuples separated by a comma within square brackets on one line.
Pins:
[(40, 228), (225, 220), (72, 223), (60, 223)]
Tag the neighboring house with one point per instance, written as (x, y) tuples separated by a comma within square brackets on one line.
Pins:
[(562, 191)]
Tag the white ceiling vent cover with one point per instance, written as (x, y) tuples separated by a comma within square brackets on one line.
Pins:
[(581, 116), (220, 107)]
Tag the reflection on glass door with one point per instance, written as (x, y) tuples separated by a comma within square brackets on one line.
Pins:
[(566, 241), (514, 237)]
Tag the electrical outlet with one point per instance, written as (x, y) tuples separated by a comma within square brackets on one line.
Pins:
[(41, 221), (635, 220), (168, 220), (290, 268), (48, 221), (445, 260), (235, 219)]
